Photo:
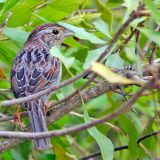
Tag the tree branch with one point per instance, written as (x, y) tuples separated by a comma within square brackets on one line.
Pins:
[(44, 92), (66, 107)]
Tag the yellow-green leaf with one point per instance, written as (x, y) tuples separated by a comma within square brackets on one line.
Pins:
[(60, 152), (109, 75)]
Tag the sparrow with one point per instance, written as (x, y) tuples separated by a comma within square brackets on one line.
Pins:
[(34, 69)]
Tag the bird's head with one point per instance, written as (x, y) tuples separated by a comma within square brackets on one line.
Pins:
[(50, 34)]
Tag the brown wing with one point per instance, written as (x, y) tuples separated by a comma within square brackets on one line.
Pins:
[(33, 71)]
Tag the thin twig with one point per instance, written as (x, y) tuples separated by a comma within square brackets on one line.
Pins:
[(115, 128), (2, 27), (44, 92), (104, 87), (153, 52), (148, 43), (121, 109)]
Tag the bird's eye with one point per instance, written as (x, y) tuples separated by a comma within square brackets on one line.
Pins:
[(55, 32)]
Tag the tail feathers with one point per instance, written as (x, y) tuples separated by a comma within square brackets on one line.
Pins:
[(38, 123)]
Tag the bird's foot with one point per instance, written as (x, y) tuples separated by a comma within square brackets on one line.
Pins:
[(47, 105), (18, 120)]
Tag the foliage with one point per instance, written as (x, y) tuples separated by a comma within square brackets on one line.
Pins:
[(94, 23)]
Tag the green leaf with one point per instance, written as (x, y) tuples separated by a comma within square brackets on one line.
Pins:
[(9, 4), (33, 3), (7, 155), (59, 9), (128, 126), (102, 27), (82, 34), (154, 11), (105, 144), (67, 61), (106, 14), (109, 75), (56, 15), (130, 5), (66, 6), (47, 156), (6, 53), (115, 61), (17, 35), (151, 34), (92, 56), (18, 17)]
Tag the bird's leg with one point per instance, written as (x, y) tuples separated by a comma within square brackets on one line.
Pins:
[(18, 118), (47, 105)]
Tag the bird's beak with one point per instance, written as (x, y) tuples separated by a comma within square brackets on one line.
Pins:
[(68, 32)]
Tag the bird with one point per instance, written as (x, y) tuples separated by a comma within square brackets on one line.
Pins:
[(34, 70)]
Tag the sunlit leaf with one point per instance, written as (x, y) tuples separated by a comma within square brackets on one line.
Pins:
[(103, 27), (7, 155), (71, 5), (18, 17), (154, 11), (56, 10), (109, 75), (9, 4)]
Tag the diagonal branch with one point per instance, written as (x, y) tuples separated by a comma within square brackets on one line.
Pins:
[(73, 103)]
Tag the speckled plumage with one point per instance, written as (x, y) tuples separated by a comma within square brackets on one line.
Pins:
[(34, 70)]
